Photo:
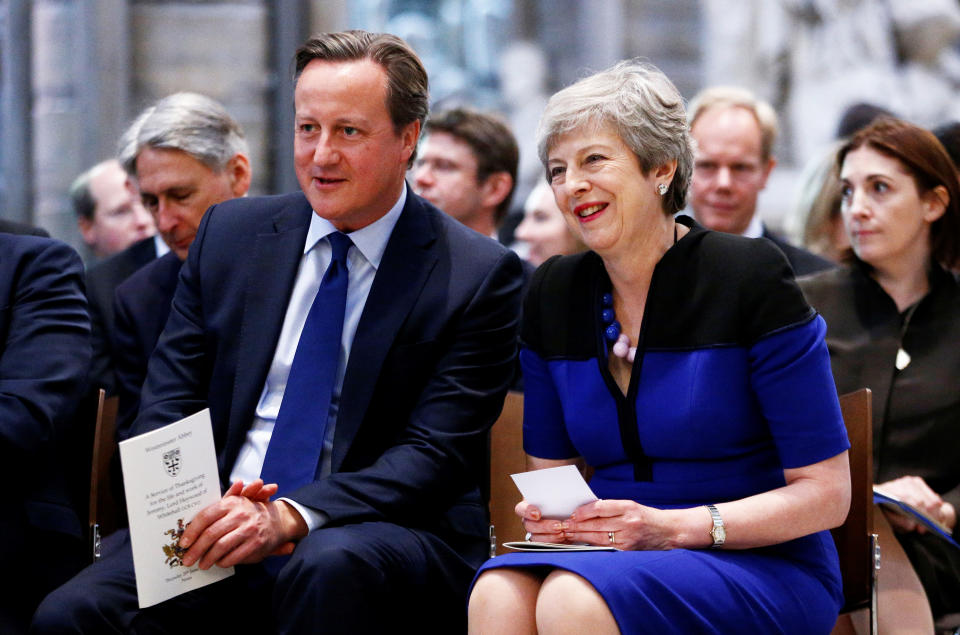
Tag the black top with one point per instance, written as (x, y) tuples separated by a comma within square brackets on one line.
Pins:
[(916, 410)]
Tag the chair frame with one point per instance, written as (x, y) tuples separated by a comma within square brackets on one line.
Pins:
[(857, 544), (102, 515)]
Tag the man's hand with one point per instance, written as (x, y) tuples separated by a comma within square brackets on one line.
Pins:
[(239, 529)]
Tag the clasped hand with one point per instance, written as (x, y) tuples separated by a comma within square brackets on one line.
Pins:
[(634, 526), (243, 527), (915, 491)]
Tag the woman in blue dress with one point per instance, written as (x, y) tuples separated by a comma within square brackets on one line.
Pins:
[(685, 368)]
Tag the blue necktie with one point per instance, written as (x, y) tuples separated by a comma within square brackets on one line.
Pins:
[(293, 455)]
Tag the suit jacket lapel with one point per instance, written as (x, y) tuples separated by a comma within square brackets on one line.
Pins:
[(403, 271), (272, 271)]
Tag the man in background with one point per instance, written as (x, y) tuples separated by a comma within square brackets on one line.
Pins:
[(734, 134), (109, 214), (468, 167), (186, 155)]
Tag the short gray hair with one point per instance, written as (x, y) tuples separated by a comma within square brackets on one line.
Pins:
[(645, 109), (735, 97), (188, 122)]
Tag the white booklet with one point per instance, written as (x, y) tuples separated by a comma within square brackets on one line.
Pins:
[(169, 475)]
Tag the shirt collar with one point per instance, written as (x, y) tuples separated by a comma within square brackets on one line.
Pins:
[(161, 247), (371, 240), (755, 228)]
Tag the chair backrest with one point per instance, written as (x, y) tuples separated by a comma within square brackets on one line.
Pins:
[(853, 538), (506, 458), (102, 516)]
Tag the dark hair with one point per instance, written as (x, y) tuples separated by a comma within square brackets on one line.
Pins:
[(927, 161), (81, 197), (949, 135), (408, 97), (491, 141), (858, 116)]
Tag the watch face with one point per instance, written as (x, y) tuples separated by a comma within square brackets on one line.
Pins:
[(719, 534)]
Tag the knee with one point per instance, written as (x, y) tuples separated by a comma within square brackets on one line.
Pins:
[(503, 597), (329, 566), (567, 599), (59, 611)]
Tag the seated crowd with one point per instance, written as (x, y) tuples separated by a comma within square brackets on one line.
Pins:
[(354, 341)]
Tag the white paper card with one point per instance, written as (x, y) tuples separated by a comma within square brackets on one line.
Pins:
[(169, 475), (556, 491)]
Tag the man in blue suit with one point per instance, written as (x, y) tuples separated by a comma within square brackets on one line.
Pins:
[(44, 358), (389, 525)]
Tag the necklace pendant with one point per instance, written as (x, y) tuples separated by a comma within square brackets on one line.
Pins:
[(903, 359)]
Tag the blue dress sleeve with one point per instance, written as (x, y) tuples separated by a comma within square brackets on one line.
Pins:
[(544, 431), (791, 377)]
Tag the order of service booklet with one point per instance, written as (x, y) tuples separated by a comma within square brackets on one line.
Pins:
[(169, 475), (899, 506), (557, 492)]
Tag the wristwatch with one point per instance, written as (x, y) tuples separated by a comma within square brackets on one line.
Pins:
[(718, 532)]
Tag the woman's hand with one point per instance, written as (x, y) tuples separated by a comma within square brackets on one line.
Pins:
[(634, 526), (915, 491), (540, 529)]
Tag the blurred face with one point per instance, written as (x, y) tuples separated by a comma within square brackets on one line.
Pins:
[(729, 171), (446, 175), (887, 219), (544, 229), (350, 161), (604, 196), (177, 189), (119, 220)]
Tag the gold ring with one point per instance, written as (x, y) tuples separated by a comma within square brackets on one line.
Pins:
[(612, 536)]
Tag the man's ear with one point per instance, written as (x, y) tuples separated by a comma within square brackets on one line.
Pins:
[(495, 188), (87, 230), (409, 137), (766, 169), (239, 173)]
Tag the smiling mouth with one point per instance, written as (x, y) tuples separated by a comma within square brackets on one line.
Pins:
[(327, 181), (586, 211)]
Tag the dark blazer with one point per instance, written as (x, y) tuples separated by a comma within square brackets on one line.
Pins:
[(141, 306), (802, 261), (102, 282), (44, 357), (13, 227), (429, 367)]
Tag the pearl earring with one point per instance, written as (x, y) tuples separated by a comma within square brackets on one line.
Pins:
[(662, 188)]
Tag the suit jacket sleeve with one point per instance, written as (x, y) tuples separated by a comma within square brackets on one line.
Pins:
[(46, 344)]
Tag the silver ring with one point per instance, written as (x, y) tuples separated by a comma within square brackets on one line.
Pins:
[(612, 536), (528, 536)]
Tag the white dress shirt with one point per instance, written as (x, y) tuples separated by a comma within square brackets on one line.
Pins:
[(362, 263)]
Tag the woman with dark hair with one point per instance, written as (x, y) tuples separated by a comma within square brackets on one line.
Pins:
[(893, 325), (685, 368)]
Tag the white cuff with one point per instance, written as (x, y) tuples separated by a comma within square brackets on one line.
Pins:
[(313, 517)]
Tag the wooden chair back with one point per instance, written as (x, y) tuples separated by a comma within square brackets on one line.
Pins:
[(102, 516), (506, 458), (855, 540)]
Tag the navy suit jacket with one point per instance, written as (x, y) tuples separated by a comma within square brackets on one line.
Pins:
[(44, 358), (102, 282), (802, 261), (141, 306), (428, 370)]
